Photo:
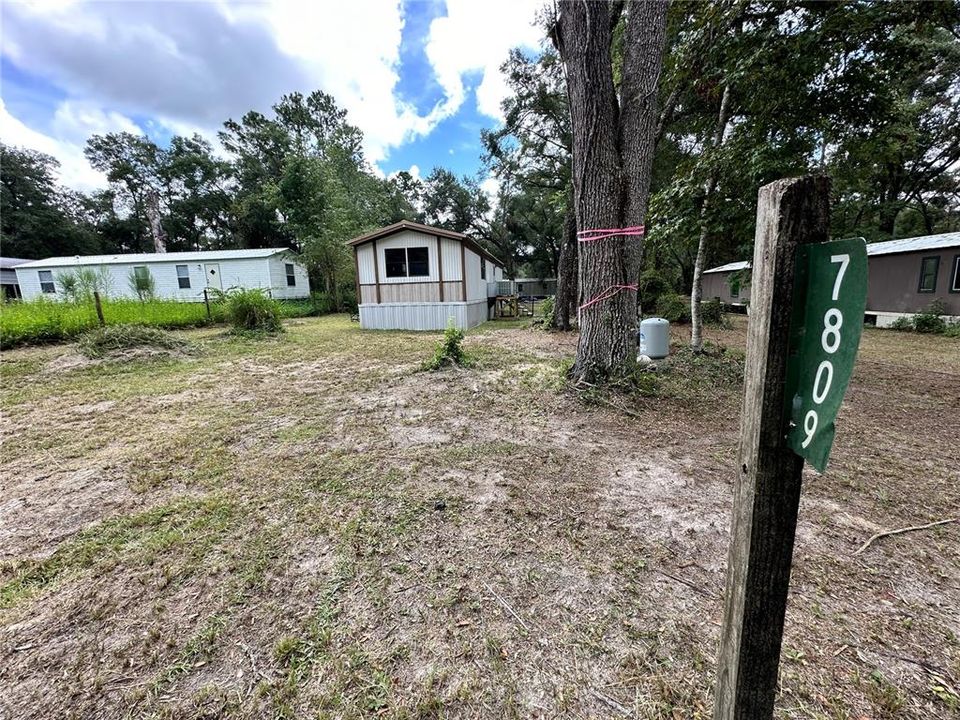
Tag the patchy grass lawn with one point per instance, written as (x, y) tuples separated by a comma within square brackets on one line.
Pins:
[(310, 527)]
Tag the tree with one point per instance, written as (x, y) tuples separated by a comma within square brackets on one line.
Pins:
[(613, 144), (38, 218)]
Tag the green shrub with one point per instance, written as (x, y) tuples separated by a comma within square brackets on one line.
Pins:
[(546, 311), (114, 339), (930, 320), (651, 286), (675, 308), (142, 283), (902, 324), (711, 312), (253, 311), (449, 350), (953, 330)]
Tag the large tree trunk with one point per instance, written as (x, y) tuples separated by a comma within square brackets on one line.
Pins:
[(565, 302), (612, 156), (696, 292)]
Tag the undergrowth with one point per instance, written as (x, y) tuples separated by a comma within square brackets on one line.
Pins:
[(116, 339), (449, 350)]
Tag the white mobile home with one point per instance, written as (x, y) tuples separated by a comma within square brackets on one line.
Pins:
[(416, 277), (176, 275)]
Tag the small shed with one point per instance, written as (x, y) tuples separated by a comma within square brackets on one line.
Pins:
[(904, 277), (176, 275), (416, 277), (8, 277)]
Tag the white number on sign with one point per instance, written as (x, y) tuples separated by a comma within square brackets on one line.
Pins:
[(844, 260), (830, 342), (832, 322), (810, 426)]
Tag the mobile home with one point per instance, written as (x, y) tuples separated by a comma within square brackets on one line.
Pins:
[(416, 277), (176, 275)]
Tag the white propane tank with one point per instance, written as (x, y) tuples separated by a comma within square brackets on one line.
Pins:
[(655, 338)]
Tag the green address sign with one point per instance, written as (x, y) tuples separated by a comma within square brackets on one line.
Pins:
[(830, 297)]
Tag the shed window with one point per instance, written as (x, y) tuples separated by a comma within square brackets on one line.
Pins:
[(291, 275), (928, 274), (46, 281), (407, 262), (183, 277), (955, 276), (483, 268), (141, 273)]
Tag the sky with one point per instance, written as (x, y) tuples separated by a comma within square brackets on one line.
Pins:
[(420, 78)]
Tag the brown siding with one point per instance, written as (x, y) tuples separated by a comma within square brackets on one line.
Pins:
[(368, 294), (895, 280), (410, 292), (453, 291), (717, 285)]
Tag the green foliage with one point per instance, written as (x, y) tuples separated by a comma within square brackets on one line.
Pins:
[(114, 339), (930, 320), (253, 311), (651, 286), (712, 312), (546, 311), (902, 324), (449, 350), (675, 308), (79, 285), (952, 330), (142, 283)]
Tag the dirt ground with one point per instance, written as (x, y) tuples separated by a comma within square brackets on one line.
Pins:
[(312, 527)]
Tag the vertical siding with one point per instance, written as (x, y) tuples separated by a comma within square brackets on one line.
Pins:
[(894, 282), (451, 260), (422, 316), (476, 287), (365, 264)]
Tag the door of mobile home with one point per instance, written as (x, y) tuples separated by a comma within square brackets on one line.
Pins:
[(213, 276)]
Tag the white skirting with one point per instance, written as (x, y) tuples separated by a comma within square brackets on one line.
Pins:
[(422, 316)]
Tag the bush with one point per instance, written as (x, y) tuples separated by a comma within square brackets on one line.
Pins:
[(546, 311), (930, 320), (902, 324), (117, 338), (952, 331), (449, 350), (253, 311), (675, 308), (651, 286), (712, 312)]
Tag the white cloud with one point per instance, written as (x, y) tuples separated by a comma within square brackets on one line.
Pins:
[(477, 36), (72, 125)]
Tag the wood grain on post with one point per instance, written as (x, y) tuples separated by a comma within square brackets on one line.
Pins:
[(767, 492), (99, 307)]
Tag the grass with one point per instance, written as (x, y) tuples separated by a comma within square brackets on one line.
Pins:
[(311, 527), (46, 321)]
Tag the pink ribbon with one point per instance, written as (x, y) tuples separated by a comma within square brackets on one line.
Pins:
[(606, 294), (604, 233)]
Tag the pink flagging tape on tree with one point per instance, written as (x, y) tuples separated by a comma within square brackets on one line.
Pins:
[(604, 233), (606, 294)]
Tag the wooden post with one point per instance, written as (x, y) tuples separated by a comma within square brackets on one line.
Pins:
[(206, 301), (356, 270), (767, 491), (463, 271), (99, 307)]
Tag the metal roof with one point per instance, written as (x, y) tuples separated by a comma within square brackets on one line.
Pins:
[(903, 245), (133, 258), (8, 263), (729, 267)]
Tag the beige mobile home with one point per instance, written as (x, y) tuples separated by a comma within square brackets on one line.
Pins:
[(416, 277)]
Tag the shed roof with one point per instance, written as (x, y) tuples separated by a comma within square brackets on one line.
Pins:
[(128, 258), (8, 263), (890, 247), (428, 230)]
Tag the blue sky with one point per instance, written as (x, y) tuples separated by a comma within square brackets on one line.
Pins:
[(419, 77)]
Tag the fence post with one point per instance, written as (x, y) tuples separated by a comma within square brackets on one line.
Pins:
[(767, 491), (96, 304), (206, 301)]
